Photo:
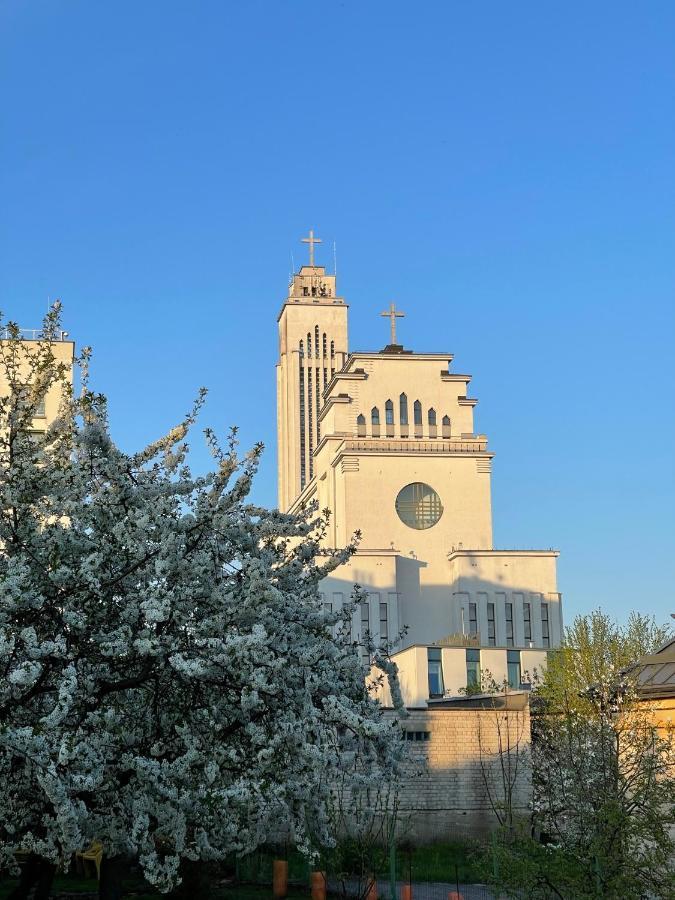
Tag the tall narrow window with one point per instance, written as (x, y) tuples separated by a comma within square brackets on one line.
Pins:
[(302, 348), (316, 340), (309, 344), (473, 619), (303, 470), (325, 344), (527, 622), (375, 416), (513, 668), (310, 421), (361, 425), (509, 624), (384, 623), (492, 635), (435, 671), (545, 636), (332, 348), (446, 426), (417, 412), (365, 620), (403, 409), (317, 391), (431, 416), (389, 412), (473, 668)]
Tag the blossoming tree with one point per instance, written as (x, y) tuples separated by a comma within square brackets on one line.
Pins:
[(171, 685)]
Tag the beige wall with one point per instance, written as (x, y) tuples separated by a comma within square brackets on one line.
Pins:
[(63, 352)]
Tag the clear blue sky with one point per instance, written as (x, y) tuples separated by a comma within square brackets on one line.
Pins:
[(504, 171)]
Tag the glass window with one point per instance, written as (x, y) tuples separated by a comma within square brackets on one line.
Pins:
[(492, 636), (473, 668), (473, 618), (374, 416), (365, 619), (389, 412), (432, 416), (509, 624), (435, 672), (384, 623), (513, 666), (545, 637), (417, 412), (361, 425), (418, 505), (403, 409), (527, 621)]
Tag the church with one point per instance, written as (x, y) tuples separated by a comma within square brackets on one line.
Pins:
[(385, 440)]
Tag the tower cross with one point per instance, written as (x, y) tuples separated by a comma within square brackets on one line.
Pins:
[(393, 314), (311, 240)]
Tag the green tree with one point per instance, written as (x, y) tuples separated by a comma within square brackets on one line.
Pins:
[(603, 775)]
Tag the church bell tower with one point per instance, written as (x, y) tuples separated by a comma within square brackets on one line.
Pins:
[(312, 347)]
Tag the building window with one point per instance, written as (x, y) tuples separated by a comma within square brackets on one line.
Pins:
[(431, 416), (509, 624), (545, 637), (446, 426), (303, 471), (384, 622), (361, 425), (317, 391), (527, 621), (417, 735), (365, 620), (375, 416), (325, 344), (473, 618), (473, 669), (492, 636), (417, 412), (389, 413), (513, 668), (332, 348), (309, 344), (403, 409), (418, 506), (435, 667), (310, 422), (316, 341)]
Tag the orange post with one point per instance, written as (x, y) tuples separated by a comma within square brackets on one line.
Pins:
[(406, 892), (455, 895), (280, 878), (371, 889), (317, 882)]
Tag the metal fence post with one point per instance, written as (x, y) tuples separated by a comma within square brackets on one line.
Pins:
[(392, 865)]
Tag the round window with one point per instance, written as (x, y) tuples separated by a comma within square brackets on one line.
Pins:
[(418, 505)]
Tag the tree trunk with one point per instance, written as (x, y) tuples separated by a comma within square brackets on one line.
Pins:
[(37, 875), (111, 883)]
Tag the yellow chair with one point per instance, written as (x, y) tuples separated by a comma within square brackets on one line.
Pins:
[(94, 853)]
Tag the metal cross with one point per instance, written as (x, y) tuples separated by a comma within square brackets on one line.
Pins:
[(393, 314), (311, 240)]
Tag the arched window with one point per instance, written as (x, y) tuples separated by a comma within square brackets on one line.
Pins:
[(417, 412), (309, 344), (389, 412), (375, 416), (446, 426), (302, 348), (316, 340), (325, 345), (403, 409), (432, 416), (361, 425), (332, 348)]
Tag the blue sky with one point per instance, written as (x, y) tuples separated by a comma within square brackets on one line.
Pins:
[(504, 171)]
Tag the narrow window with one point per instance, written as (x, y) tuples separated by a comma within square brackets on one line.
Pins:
[(545, 637), (365, 620), (384, 623), (473, 619), (432, 416), (473, 669), (375, 416), (309, 344), (417, 412), (317, 391), (332, 348), (527, 621), (389, 412), (492, 637), (446, 426), (310, 423), (361, 425), (513, 667), (435, 669), (302, 348), (509, 624), (303, 470), (325, 344), (403, 409), (316, 341)]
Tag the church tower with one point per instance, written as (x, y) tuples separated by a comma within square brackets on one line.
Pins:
[(312, 347)]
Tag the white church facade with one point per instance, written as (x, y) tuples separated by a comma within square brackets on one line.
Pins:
[(385, 440)]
